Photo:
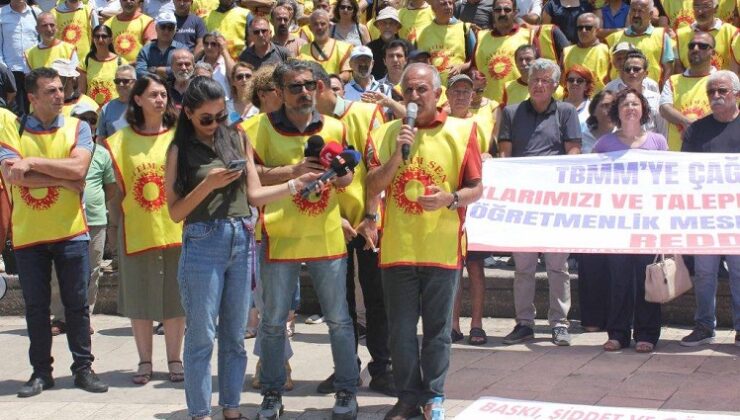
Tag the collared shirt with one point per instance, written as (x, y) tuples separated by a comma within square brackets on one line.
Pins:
[(275, 55), (617, 20), (151, 56), (716, 25), (293, 44), (618, 84), (281, 122), (112, 118), (353, 91), (668, 54), (63, 7), (74, 59), (17, 34), (539, 134)]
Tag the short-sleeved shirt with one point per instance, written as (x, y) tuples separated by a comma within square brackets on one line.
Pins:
[(151, 56), (707, 135), (565, 17), (615, 20), (611, 143), (539, 134), (190, 29), (112, 118), (99, 175), (478, 14), (275, 55)]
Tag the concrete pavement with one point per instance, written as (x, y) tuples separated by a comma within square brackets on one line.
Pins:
[(673, 378)]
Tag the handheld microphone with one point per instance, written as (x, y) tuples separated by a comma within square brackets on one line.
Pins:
[(313, 146), (340, 165), (411, 110), (328, 153)]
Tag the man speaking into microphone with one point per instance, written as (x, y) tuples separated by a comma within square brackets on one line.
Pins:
[(422, 244)]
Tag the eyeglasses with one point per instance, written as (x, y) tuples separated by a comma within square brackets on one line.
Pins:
[(296, 88), (585, 27), (243, 76), (506, 10), (702, 45), (123, 82), (576, 80), (166, 26), (347, 7), (633, 69), (536, 82), (721, 91), (101, 36), (209, 119), (260, 31)]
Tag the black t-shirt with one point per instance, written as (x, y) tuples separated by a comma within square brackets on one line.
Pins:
[(708, 135)]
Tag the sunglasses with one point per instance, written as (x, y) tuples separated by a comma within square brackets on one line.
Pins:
[(166, 26), (347, 8), (296, 88), (101, 36), (633, 69), (506, 10), (721, 91), (576, 80), (243, 76), (260, 31), (702, 46), (209, 119), (585, 27), (123, 82)]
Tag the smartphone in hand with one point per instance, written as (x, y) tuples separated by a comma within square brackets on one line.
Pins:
[(237, 165)]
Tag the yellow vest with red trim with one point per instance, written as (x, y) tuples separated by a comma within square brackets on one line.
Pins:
[(43, 57), (50, 214), (595, 58), (650, 45), (726, 10), (100, 75), (680, 13), (232, 25), (494, 57), (359, 118), (516, 91), (84, 99), (736, 47), (446, 44), (722, 56), (690, 99), (413, 21), (544, 42), (203, 7), (412, 236), (74, 28), (139, 161), (294, 228), (128, 35), (485, 119), (336, 57)]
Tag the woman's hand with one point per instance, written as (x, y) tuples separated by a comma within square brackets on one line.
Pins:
[(302, 181), (220, 177)]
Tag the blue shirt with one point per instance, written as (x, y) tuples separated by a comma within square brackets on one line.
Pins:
[(615, 21), (151, 56), (112, 118), (353, 91), (190, 29), (17, 34)]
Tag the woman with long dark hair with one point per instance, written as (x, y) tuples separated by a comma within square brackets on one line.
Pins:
[(211, 181), (347, 26), (149, 248), (98, 68)]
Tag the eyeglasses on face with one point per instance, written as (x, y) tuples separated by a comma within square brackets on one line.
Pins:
[(588, 28), (208, 119), (506, 10), (296, 88), (243, 76), (123, 82), (260, 31), (347, 7), (633, 69), (702, 45), (720, 91), (210, 44)]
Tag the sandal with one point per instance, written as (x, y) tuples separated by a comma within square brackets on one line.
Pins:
[(456, 336), (477, 337), (176, 375), (644, 347), (612, 345), (142, 378)]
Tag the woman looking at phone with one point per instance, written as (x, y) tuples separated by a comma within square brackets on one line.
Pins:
[(218, 240)]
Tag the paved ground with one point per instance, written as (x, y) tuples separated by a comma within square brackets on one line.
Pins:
[(675, 378)]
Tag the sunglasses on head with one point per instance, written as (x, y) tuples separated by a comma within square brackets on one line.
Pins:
[(702, 45), (296, 88), (721, 91), (576, 80), (209, 119), (633, 69), (123, 82), (243, 76), (585, 27), (503, 9)]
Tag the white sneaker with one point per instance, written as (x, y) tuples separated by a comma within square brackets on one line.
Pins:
[(315, 319)]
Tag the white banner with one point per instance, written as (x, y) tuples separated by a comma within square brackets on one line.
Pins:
[(638, 202), (503, 408)]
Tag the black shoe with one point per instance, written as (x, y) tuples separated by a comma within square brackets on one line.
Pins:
[(402, 411), (384, 383), (327, 385), (520, 334), (87, 379), (271, 407), (35, 385)]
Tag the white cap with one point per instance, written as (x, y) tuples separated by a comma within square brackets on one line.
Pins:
[(166, 17), (361, 51), (65, 67), (82, 108), (388, 13)]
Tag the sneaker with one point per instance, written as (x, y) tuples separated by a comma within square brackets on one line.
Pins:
[(315, 319), (35, 385), (700, 335), (87, 379), (561, 336), (402, 411), (520, 334), (345, 406), (159, 329), (384, 383), (271, 407)]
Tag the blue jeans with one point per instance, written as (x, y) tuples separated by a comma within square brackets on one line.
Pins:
[(278, 287), (215, 283), (411, 292), (73, 269), (257, 303), (705, 289)]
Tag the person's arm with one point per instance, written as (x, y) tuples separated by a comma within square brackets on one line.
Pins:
[(149, 34), (200, 32), (572, 134), (228, 60), (667, 110), (142, 62), (666, 60), (572, 147), (504, 136), (546, 18), (375, 97)]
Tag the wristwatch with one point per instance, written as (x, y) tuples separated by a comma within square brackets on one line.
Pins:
[(371, 216), (455, 201)]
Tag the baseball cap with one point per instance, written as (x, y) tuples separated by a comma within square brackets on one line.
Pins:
[(418, 54), (623, 46), (458, 77), (65, 67), (361, 51), (82, 108), (166, 17), (388, 13)]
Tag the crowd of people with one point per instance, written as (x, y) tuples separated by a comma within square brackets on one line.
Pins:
[(216, 147)]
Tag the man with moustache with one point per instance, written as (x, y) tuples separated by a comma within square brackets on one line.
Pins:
[(182, 64), (332, 54), (154, 58), (76, 20), (388, 23), (281, 21), (589, 51), (517, 91), (705, 12), (263, 50), (49, 47), (361, 61)]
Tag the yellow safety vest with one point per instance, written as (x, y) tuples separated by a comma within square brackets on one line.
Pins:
[(722, 48), (413, 21), (544, 42), (74, 28), (494, 57), (294, 228), (373, 30), (650, 45), (517, 91), (485, 119), (49, 214), (446, 44), (128, 35), (412, 236), (84, 99), (139, 161), (736, 47), (726, 10), (595, 58), (690, 99), (679, 12), (336, 56), (232, 25), (43, 57), (203, 7), (100, 75), (441, 102), (359, 118)]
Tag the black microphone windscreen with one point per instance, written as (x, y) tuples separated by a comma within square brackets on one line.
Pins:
[(313, 146)]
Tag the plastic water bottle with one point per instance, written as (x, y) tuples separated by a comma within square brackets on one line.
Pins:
[(438, 410)]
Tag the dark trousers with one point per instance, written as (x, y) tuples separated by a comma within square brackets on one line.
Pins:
[(630, 316), (372, 293), (73, 271), (593, 289), (21, 100)]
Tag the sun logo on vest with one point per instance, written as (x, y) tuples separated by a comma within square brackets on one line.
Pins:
[(72, 33), (684, 17), (100, 92), (149, 189), (717, 61), (125, 43), (412, 183), (441, 60), (412, 35), (696, 110), (500, 66), (39, 198), (313, 205)]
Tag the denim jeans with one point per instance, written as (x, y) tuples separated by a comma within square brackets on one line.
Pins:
[(72, 266), (257, 303), (278, 287), (215, 284), (410, 292), (705, 289)]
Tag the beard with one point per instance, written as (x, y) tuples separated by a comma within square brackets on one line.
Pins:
[(182, 76)]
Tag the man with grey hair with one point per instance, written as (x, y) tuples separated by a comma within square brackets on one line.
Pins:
[(182, 64), (718, 132), (540, 126), (589, 51), (431, 172), (155, 56)]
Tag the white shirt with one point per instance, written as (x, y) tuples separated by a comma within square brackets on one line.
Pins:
[(219, 75), (152, 8), (17, 34), (526, 7), (647, 84)]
